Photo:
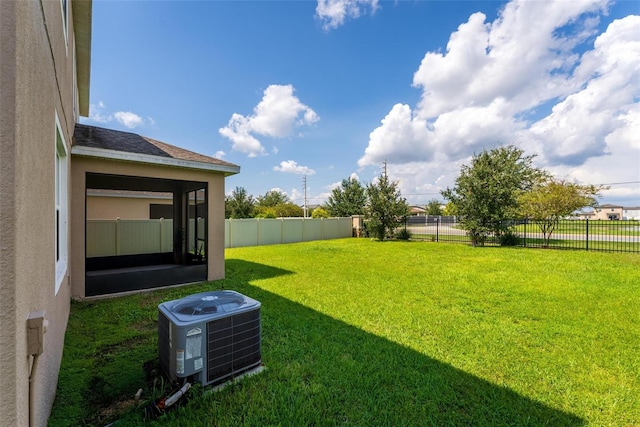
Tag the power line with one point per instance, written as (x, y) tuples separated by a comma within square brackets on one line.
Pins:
[(621, 183)]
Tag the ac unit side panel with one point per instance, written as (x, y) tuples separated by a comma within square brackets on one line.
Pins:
[(164, 343)]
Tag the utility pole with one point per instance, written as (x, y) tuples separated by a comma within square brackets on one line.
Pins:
[(304, 184)]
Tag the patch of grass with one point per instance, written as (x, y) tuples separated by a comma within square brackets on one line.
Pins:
[(394, 333)]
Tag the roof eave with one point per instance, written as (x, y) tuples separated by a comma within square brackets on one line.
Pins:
[(82, 32), (101, 153)]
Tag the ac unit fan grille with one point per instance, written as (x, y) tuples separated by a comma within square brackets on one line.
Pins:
[(233, 345)]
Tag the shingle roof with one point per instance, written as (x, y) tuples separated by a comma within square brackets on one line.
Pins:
[(109, 139), (607, 205)]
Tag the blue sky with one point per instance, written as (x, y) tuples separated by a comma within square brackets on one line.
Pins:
[(332, 88)]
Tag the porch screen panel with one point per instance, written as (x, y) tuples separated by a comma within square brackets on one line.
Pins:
[(139, 237), (101, 238)]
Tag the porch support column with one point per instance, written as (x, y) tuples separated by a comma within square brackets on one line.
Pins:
[(179, 223)]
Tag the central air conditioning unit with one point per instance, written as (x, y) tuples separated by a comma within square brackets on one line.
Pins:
[(209, 337)]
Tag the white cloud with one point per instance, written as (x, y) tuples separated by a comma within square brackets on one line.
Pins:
[(97, 115), (330, 187), (219, 154), (333, 13), (520, 57), (297, 196), (591, 121), (129, 119), (399, 139), (277, 114), (126, 118), (238, 131), (291, 166), (524, 78)]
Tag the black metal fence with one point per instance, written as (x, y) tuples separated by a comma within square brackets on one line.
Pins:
[(590, 235)]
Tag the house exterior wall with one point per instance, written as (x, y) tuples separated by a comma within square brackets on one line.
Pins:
[(605, 212), (36, 85), (100, 207), (631, 213), (82, 165)]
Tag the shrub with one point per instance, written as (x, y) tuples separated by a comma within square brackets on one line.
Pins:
[(319, 212), (267, 213), (509, 238), (403, 234)]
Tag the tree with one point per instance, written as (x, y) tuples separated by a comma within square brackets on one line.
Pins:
[(385, 208), (319, 212), (434, 208), (266, 213), (346, 200), (275, 204), (486, 192), (272, 198), (449, 209), (548, 203), (239, 204), (282, 210), (288, 210)]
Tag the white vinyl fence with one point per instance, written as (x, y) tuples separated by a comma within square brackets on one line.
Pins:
[(140, 236), (257, 232)]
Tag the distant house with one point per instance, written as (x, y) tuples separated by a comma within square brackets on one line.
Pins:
[(631, 213), (111, 204), (584, 215), (417, 211), (49, 166), (608, 212)]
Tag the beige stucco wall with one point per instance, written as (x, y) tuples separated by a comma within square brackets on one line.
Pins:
[(602, 213), (82, 165), (108, 207), (36, 81)]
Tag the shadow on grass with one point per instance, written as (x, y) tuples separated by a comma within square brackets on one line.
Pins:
[(321, 371)]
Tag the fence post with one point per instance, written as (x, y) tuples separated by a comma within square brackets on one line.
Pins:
[(587, 235), (117, 236), (437, 229), (526, 221)]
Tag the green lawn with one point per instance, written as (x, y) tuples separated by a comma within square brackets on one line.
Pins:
[(365, 333)]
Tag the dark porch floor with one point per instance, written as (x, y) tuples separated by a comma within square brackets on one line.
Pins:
[(102, 282)]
